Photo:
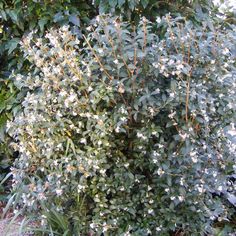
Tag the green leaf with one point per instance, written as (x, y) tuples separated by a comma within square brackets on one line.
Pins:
[(12, 44), (42, 22), (58, 17), (144, 3), (132, 4), (3, 121), (3, 14), (13, 15), (103, 7), (113, 3), (121, 3), (74, 19)]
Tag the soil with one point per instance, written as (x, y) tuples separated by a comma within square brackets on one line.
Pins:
[(7, 227), (6, 230)]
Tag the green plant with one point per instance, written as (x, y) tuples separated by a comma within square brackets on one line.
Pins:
[(135, 9), (132, 122), (19, 17), (8, 105)]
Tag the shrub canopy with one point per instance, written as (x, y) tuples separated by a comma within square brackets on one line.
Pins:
[(19, 17), (125, 134)]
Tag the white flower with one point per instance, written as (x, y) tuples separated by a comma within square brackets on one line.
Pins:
[(225, 51), (83, 140), (97, 18), (102, 171), (89, 28), (41, 196), (90, 89), (220, 188), (155, 64), (92, 225), (183, 135), (19, 77), (150, 211), (123, 119), (88, 115), (160, 171), (200, 189), (63, 93), (194, 159), (181, 198), (171, 62), (121, 89), (117, 129), (140, 135), (126, 165), (154, 132), (158, 20), (163, 67), (179, 67), (65, 28), (72, 97), (59, 192), (100, 50), (193, 155), (171, 115), (116, 61), (155, 161), (156, 154)]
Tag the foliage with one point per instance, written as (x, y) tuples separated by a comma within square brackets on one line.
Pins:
[(134, 9), (131, 123), (19, 17), (8, 100)]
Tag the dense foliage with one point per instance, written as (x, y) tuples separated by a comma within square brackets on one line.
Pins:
[(19, 17), (125, 134)]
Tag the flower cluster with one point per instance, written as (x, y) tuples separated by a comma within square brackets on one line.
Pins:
[(132, 124)]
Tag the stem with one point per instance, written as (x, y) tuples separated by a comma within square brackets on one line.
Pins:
[(97, 59), (187, 99)]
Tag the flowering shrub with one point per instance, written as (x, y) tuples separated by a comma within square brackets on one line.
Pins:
[(125, 135)]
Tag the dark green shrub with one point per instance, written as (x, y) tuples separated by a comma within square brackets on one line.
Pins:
[(131, 123), (134, 9)]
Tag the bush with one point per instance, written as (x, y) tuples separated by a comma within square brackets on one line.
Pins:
[(19, 17), (7, 102), (125, 135), (134, 9)]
